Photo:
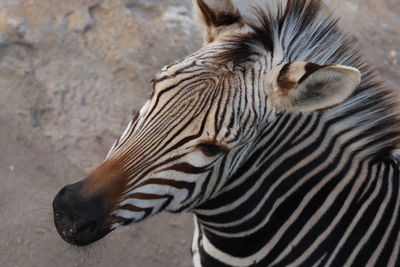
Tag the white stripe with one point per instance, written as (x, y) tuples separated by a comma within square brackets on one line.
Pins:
[(195, 247), (356, 218), (374, 258), (373, 226)]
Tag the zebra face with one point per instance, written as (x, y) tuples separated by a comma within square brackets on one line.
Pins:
[(174, 151), (170, 157), (201, 122)]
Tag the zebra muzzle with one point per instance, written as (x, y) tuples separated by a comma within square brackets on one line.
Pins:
[(80, 221)]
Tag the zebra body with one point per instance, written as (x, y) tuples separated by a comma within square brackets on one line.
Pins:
[(275, 134)]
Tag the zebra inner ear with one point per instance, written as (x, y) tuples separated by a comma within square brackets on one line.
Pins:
[(216, 18), (307, 87)]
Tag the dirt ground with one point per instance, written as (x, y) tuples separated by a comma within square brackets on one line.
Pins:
[(71, 75)]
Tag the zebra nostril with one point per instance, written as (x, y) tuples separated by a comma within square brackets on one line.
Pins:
[(59, 215)]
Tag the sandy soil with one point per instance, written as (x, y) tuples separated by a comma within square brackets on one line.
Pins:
[(71, 74)]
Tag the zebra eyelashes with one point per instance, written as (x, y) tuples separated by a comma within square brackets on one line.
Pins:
[(211, 149), (307, 87)]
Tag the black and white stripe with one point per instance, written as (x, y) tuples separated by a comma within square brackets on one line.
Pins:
[(327, 209)]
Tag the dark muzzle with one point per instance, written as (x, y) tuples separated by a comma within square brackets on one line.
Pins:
[(80, 221)]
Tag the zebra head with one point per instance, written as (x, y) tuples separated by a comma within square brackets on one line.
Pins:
[(201, 121)]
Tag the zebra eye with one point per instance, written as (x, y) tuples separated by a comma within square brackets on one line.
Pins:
[(210, 149)]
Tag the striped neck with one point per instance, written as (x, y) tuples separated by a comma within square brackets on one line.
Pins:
[(304, 196)]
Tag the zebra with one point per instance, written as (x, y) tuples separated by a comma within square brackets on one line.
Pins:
[(276, 135)]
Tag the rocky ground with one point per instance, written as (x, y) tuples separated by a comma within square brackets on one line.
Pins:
[(71, 75)]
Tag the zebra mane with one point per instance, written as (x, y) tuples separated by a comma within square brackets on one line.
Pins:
[(302, 30)]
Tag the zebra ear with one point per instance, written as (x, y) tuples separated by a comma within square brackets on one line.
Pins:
[(216, 18), (307, 87)]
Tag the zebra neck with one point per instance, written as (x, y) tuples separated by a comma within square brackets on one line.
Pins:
[(303, 200)]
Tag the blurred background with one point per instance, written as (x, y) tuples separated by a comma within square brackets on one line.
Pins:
[(72, 73)]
